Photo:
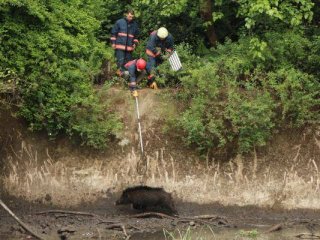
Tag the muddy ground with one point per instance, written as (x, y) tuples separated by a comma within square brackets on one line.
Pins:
[(106, 220)]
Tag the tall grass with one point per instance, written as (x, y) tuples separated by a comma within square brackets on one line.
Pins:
[(241, 182)]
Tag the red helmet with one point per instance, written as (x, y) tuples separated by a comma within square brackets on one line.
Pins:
[(141, 64)]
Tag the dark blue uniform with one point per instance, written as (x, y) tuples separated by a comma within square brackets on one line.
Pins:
[(124, 37), (155, 47)]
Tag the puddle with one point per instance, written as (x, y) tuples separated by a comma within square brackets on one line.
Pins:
[(226, 234)]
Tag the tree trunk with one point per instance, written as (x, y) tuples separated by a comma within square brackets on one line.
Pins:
[(206, 15)]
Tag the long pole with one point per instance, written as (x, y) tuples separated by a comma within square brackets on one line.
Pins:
[(139, 125)]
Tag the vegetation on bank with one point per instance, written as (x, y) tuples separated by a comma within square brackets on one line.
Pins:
[(249, 67)]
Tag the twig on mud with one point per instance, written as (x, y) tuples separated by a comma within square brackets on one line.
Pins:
[(307, 236), (206, 219), (123, 228), (99, 234), (109, 221), (152, 214), (209, 217), (117, 222), (275, 228), (201, 219), (176, 221), (25, 227), (70, 212), (131, 226)]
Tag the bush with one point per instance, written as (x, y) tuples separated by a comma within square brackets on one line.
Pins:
[(53, 50), (298, 95), (235, 94), (92, 121)]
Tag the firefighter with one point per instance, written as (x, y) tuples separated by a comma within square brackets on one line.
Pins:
[(135, 69), (124, 38), (159, 48)]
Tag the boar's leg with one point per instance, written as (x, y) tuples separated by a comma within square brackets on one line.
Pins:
[(139, 206)]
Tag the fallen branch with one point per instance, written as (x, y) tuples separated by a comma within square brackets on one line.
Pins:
[(152, 214), (107, 221), (121, 226), (25, 227), (70, 213), (307, 236), (205, 219), (275, 228)]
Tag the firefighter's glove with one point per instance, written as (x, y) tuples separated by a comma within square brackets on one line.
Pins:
[(125, 74), (151, 79), (134, 93), (119, 73), (166, 56), (153, 86)]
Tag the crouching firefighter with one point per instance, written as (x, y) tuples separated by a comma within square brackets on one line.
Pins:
[(159, 48), (135, 70)]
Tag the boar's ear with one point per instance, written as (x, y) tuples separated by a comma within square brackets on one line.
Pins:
[(126, 194), (129, 195)]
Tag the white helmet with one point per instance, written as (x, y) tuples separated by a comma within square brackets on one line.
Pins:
[(162, 32)]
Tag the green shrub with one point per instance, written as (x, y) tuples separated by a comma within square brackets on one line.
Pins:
[(235, 94), (92, 121), (52, 48), (251, 115), (298, 95)]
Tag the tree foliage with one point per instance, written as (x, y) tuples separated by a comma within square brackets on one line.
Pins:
[(261, 75), (267, 12), (52, 48)]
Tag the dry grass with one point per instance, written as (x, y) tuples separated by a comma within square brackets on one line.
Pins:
[(240, 182)]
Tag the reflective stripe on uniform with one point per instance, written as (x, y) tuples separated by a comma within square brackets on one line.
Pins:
[(123, 47), (128, 64), (125, 35)]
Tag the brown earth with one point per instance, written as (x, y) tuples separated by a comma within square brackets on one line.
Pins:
[(294, 152)]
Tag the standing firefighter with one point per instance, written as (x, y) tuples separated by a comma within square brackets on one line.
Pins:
[(124, 37), (159, 47), (135, 69)]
